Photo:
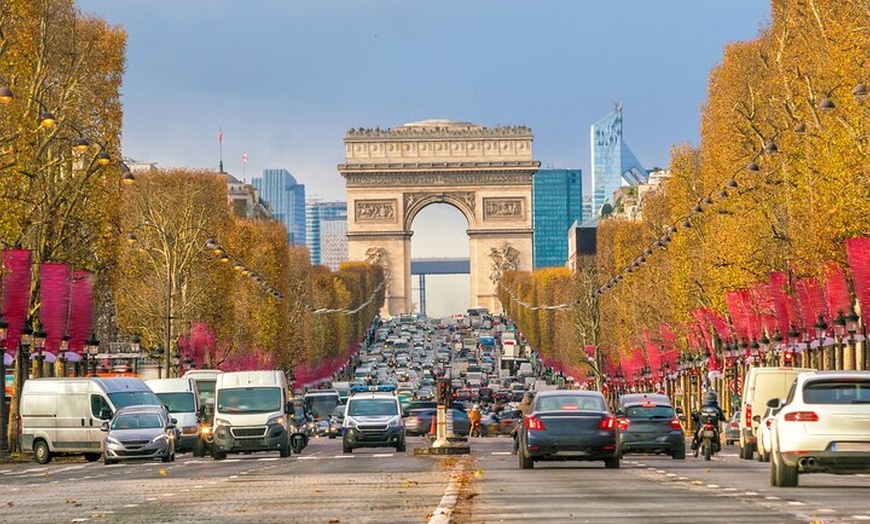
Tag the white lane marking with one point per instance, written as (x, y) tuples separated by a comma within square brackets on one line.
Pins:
[(444, 511), (713, 486), (796, 503), (501, 452), (198, 486), (68, 468), (772, 497), (382, 455), (729, 489), (751, 493), (234, 476), (861, 517), (131, 505), (826, 510), (267, 459), (342, 456), (232, 460), (671, 474), (306, 458), (5, 471)]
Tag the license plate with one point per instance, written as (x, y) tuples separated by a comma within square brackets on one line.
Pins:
[(571, 453), (851, 446), (709, 434)]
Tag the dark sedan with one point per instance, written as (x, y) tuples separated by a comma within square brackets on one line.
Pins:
[(651, 426), (568, 425), (419, 422)]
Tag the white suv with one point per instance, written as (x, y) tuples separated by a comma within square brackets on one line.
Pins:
[(373, 419), (822, 427)]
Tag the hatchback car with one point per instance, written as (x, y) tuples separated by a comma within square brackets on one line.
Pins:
[(140, 432), (762, 442), (650, 425), (568, 425), (822, 427)]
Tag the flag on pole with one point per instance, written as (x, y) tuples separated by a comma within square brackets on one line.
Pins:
[(220, 135), (244, 157)]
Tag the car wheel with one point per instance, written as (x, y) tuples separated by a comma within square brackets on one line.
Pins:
[(167, 457), (345, 448), (746, 452), (765, 456), (400, 447), (611, 463), (679, 454), (784, 475), (525, 461), (285, 450), (218, 455), (41, 453), (199, 448), (92, 457)]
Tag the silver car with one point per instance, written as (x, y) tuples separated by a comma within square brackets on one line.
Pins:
[(140, 432)]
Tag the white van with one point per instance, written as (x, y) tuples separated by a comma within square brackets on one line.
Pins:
[(204, 380), (760, 385), (250, 413), (180, 398), (63, 416)]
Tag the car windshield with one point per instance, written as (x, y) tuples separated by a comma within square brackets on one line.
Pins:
[(837, 391), (570, 403), (122, 399), (249, 400), (205, 389), (321, 405), (181, 402), (373, 407), (649, 412), (139, 421)]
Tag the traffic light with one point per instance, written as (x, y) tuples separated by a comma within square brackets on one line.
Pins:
[(445, 393), (788, 358)]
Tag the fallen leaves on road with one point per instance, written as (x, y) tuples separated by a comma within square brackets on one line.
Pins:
[(333, 521), (70, 501), (161, 472), (10, 503)]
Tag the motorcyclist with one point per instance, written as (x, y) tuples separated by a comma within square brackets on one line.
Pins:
[(474, 418), (709, 409)]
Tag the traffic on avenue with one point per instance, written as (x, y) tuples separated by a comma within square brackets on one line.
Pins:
[(441, 420)]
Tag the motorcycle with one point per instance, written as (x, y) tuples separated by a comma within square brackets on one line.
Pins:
[(301, 429), (708, 434)]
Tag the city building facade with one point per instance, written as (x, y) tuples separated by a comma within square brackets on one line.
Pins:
[(326, 232), (287, 199), (557, 202), (613, 163)]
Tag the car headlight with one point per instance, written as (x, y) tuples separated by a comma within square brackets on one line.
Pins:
[(293, 428), (221, 422), (276, 421), (158, 438), (112, 440), (349, 423), (205, 430)]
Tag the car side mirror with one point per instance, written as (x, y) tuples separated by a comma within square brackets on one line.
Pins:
[(774, 403), (171, 426), (173, 421), (105, 413), (104, 426)]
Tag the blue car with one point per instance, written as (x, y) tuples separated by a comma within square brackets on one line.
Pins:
[(568, 425)]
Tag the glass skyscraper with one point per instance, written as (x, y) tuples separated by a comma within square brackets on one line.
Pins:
[(557, 201), (613, 163), (326, 232), (287, 198)]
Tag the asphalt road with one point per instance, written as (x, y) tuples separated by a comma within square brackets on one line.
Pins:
[(325, 486)]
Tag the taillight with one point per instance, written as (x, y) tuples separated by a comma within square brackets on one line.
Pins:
[(768, 422), (675, 424), (534, 424), (622, 422), (747, 417), (607, 423), (801, 416)]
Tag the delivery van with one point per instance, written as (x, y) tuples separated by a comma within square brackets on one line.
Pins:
[(760, 385), (63, 416), (250, 413), (180, 397)]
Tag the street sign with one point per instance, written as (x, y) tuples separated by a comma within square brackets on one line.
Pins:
[(735, 385)]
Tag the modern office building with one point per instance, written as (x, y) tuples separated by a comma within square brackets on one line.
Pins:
[(557, 202), (613, 163), (326, 232), (287, 198)]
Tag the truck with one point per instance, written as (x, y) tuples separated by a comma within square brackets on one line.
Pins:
[(251, 409), (510, 349)]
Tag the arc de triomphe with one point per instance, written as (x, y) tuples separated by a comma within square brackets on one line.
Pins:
[(485, 173)]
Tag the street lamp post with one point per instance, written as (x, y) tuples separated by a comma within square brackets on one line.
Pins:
[(4, 443), (839, 336), (39, 337), (821, 328), (93, 349)]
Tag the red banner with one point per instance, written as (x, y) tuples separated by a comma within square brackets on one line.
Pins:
[(719, 323), (764, 316), (858, 254), (54, 303), (81, 295), (837, 291), (16, 294), (739, 315), (779, 298), (812, 300)]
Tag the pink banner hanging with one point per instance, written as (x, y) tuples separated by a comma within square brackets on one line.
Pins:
[(81, 297), (779, 299), (812, 300), (858, 254), (764, 316), (653, 353), (669, 341), (737, 311), (719, 323), (702, 328), (837, 291), (16, 294), (54, 303)]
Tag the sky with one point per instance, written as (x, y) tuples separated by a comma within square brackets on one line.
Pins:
[(285, 79)]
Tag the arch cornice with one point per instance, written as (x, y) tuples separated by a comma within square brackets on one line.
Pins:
[(464, 201)]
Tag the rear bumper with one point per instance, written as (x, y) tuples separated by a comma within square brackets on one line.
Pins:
[(838, 462), (652, 443), (571, 447)]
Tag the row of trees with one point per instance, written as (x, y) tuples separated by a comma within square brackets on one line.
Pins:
[(782, 122), (62, 198)]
